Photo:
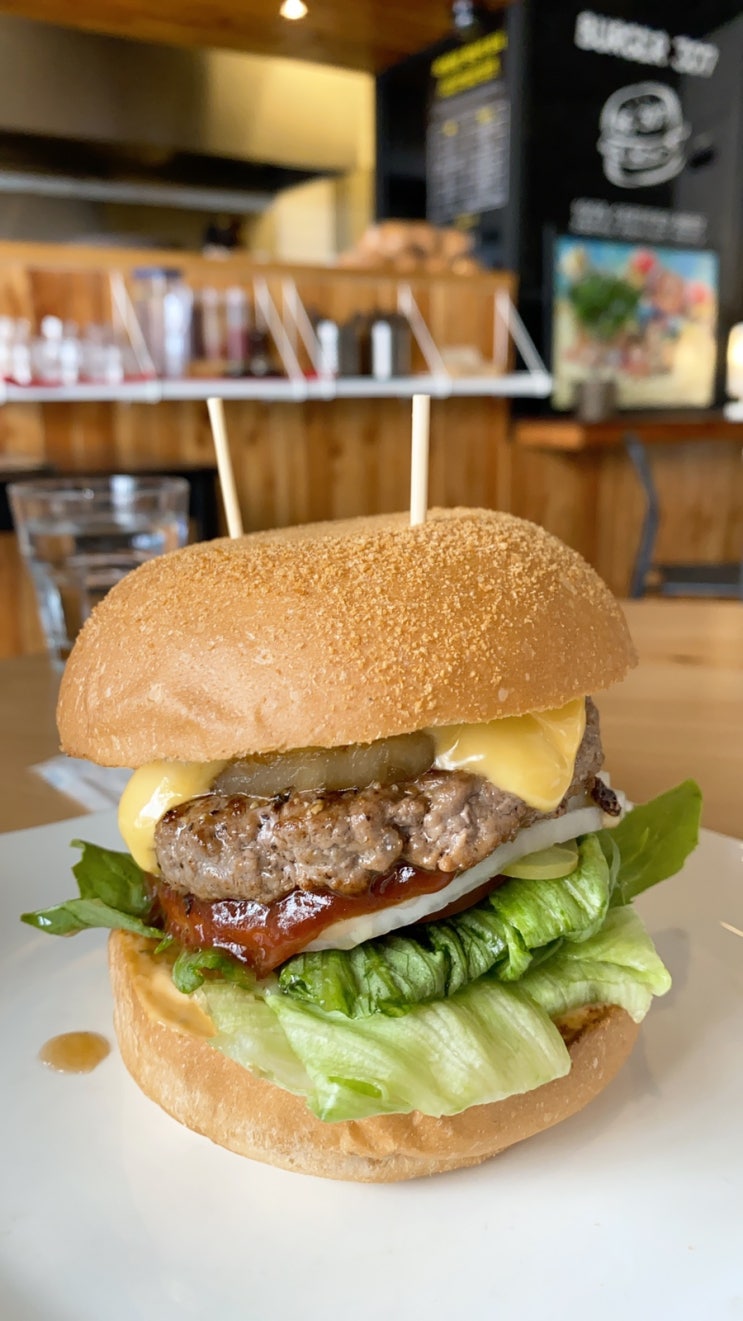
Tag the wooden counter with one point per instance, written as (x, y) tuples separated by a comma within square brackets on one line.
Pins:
[(28, 697), (579, 481), (568, 435), (679, 714)]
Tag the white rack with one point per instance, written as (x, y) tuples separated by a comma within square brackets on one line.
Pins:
[(292, 326)]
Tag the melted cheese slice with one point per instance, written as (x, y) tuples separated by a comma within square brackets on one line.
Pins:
[(532, 756), (151, 792)]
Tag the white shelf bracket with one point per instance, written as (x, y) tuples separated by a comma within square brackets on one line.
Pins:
[(122, 310), (299, 324), (407, 307), (275, 324), (506, 311)]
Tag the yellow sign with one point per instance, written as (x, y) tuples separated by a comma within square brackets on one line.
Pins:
[(469, 66)]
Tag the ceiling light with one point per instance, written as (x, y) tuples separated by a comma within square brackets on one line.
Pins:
[(293, 9), (467, 19)]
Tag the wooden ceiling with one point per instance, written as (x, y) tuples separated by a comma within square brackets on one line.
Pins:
[(353, 34)]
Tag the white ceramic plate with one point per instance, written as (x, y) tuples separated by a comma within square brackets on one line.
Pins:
[(110, 1211)]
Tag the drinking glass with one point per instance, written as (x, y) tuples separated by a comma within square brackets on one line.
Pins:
[(79, 537)]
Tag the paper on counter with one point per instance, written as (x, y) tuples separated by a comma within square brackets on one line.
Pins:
[(93, 787)]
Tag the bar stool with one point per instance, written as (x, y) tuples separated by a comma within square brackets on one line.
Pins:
[(721, 580)]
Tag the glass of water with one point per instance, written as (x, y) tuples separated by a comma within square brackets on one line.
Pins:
[(81, 536)]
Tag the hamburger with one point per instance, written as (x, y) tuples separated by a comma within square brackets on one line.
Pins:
[(374, 919)]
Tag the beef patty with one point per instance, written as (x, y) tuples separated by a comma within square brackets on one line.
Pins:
[(232, 846)]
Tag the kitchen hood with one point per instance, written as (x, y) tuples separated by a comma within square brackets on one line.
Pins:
[(107, 119)]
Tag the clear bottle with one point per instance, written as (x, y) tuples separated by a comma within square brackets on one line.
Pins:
[(45, 351), (7, 333), (237, 328), (382, 349), (328, 339), (260, 358), (93, 354), (20, 353), (163, 304), (212, 333), (177, 309)]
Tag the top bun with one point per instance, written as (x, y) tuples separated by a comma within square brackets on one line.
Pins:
[(337, 633)]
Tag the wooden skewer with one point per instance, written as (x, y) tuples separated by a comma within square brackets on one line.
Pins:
[(224, 467), (419, 459)]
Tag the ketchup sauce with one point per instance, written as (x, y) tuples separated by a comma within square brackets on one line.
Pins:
[(265, 935)]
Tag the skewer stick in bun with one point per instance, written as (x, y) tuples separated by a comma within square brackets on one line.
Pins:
[(419, 459), (224, 467)]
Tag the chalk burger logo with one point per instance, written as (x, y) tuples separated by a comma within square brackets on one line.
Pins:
[(643, 135)]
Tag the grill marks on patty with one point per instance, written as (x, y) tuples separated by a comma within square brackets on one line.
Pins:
[(223, 846)]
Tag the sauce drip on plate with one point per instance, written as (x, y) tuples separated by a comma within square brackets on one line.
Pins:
[(74, 1052)]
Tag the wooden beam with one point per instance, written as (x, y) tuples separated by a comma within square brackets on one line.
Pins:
[(370, 36)]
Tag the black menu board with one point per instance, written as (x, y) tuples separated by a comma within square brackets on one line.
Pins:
[(468, 134), (634, 100)]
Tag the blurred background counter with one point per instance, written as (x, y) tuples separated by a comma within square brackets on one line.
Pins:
[(330, 439), (296, 460)]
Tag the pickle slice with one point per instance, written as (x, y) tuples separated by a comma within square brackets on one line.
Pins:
[(548, 864), (384, 762)]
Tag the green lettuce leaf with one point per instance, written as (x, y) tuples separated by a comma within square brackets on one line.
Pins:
[(112, 877), (619, 965), (78, 914), (113, 893), (192, 965), (436, 960), (251, 1033), (488, 1041), (655, 839)]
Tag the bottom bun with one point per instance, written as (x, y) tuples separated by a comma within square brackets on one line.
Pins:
[(164, 1043)]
